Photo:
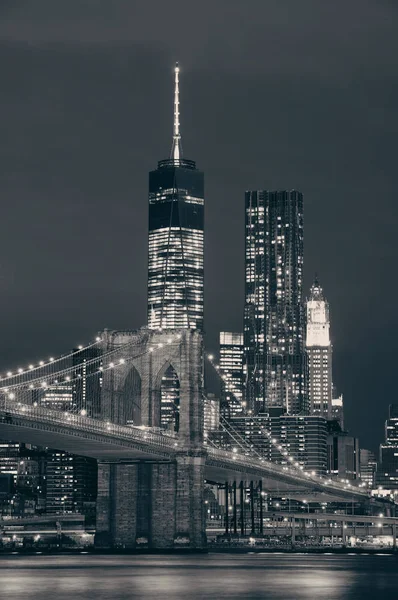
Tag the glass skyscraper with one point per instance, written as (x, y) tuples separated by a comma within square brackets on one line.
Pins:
[(274, 312), (176, 230)]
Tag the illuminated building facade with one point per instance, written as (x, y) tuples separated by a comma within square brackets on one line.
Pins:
[(387, 475), (302, 437), (274, 314), (231, 368), (71, 480), (319, 351), (368, 463), (59, 397), (21, 479), (176, 231), (343, 455), (71, 483)]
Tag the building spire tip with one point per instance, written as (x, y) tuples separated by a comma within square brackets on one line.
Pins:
[(176, 150)]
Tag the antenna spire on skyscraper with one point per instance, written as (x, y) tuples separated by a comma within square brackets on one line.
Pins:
[(176, 149)]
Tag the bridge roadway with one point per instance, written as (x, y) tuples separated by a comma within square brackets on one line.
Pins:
[(109, 442)]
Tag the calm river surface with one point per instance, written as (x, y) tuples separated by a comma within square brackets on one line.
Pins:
[(215, 576)]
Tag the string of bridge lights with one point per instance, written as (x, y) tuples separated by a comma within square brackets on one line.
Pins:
[(70, 380), (292, 460), (42, 380), (43, 383), (273, 441), (42, 364)]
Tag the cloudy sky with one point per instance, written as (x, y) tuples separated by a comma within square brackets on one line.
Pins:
[(275, 94)]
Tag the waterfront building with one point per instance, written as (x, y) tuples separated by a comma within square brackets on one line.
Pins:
[(274, 314), (343, 455), (71, 483), (303, 438), (387, 474), (21, 479), (368, 466), (319, 351), (176, 237), (70, 479)]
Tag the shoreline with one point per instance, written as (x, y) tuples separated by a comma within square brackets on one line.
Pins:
[(189, 551)]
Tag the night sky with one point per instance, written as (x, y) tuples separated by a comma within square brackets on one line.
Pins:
[(274, 94)]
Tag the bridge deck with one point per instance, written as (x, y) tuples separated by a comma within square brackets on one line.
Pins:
[(111, 442)]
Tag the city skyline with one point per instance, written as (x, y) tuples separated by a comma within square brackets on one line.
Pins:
[(34, 221)]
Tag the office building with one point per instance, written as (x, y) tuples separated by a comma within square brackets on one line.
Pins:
[(274, 313), (232, 372), (176, 230), (343, 455), (387, 474), (21, 479), (368, 466), (59, 397), (70, 479), (71, 483), (302, 438), (319, 351)]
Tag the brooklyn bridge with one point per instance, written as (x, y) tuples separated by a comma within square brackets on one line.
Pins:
[(151, 481)]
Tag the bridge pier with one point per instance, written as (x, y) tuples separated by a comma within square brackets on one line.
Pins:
[(151, 505)]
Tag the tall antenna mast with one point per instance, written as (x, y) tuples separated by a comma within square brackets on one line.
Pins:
[(176, 149)]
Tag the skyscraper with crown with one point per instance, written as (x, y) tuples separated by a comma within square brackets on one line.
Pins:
[(176, 231), (319, 350)]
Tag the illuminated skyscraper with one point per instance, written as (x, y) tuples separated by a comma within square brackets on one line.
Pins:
[(274, 313), (176, 229), (319, 350)]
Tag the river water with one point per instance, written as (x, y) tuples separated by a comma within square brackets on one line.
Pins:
[(215, 576)]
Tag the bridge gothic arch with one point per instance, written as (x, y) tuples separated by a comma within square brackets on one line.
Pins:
[(160, 360), (166, 398), (131, 396)]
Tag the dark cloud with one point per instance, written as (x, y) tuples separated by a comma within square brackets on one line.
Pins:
[(292, 94)]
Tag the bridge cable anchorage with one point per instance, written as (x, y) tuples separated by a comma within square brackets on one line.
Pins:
[(294, 466), (64, 391)]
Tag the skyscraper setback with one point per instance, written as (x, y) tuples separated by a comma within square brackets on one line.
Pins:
[(274, 315), (176, 230)]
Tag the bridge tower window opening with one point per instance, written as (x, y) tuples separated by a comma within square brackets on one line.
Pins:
[(170, 400)]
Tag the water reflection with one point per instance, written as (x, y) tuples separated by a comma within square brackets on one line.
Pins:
[(215, 576)]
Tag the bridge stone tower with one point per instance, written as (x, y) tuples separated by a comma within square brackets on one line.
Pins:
[(152, 503)]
